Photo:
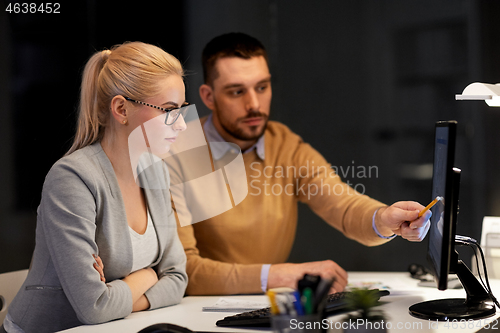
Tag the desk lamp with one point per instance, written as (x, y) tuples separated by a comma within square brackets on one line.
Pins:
[(490, 93)]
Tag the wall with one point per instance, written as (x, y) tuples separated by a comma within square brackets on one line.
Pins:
[(364, 82)]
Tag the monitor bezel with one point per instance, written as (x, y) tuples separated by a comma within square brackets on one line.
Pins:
[(449, 213)]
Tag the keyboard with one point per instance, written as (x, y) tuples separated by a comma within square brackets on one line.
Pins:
[(335, 303)]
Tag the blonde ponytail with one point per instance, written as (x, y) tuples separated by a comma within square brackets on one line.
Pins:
[(89, 121), (130, 69)]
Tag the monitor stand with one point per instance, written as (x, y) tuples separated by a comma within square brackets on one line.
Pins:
[(478, 303)]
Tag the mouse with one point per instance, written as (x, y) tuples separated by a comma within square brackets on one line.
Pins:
[(165, 328)]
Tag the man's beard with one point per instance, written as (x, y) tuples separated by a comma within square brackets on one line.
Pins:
[(239, 133)]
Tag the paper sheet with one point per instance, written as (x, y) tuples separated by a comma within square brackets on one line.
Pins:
[(235, 305)]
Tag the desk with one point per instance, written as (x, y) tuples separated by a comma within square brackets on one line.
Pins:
[(404, 292)]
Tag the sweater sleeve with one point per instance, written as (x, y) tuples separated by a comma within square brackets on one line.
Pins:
[(333, 200), (67, 216)]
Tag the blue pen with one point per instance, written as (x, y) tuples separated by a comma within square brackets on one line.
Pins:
[(297, 304)]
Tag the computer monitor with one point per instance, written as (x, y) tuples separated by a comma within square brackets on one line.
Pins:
[(441, 252), (446, 184)]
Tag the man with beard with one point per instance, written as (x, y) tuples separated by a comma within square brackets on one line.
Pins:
[(242, 251)]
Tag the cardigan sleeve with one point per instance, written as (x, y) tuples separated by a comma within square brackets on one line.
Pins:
[(172, 277), (171, 270), (67, 216)]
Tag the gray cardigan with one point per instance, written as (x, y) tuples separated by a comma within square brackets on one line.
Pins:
[(82, 213)]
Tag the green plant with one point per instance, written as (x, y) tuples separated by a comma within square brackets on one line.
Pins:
[(363, 301)]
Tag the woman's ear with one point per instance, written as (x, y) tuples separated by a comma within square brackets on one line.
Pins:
[(118, 110), (207, 96)]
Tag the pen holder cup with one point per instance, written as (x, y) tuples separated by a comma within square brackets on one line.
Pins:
[(297, 324)]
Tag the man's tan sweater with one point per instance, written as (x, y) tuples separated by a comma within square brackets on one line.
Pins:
[(225, 253)]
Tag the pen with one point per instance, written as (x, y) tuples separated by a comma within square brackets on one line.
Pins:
[(289, 304), (308, 280), (298, 306), (307, 300), (272, 299), (429, 206)]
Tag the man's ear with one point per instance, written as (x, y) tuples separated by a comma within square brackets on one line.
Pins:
[(207, 96), (118, 110)]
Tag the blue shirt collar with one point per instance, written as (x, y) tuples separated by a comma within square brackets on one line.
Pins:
[(218, 151)]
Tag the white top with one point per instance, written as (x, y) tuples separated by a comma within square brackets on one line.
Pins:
[(144, 247)]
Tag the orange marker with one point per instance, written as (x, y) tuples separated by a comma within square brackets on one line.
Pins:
[(275, 310), (429, 206)]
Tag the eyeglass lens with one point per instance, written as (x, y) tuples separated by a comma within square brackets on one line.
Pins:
[(174, 114)]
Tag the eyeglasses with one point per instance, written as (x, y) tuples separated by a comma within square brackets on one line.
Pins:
[(172, 113)]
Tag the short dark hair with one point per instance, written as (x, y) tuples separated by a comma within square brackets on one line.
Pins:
[(233, 44)]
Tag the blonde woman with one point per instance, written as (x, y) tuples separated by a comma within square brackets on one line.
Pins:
[(106, 247)]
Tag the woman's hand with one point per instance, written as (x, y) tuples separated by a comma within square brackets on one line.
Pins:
[(99, 267), (139, 282)]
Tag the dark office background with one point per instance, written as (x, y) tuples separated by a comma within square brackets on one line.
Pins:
[(363, 81)]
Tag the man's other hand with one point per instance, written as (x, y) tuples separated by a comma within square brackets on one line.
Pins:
[(288, 275)]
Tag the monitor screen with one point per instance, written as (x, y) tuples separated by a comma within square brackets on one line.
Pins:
[(441, 240)]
